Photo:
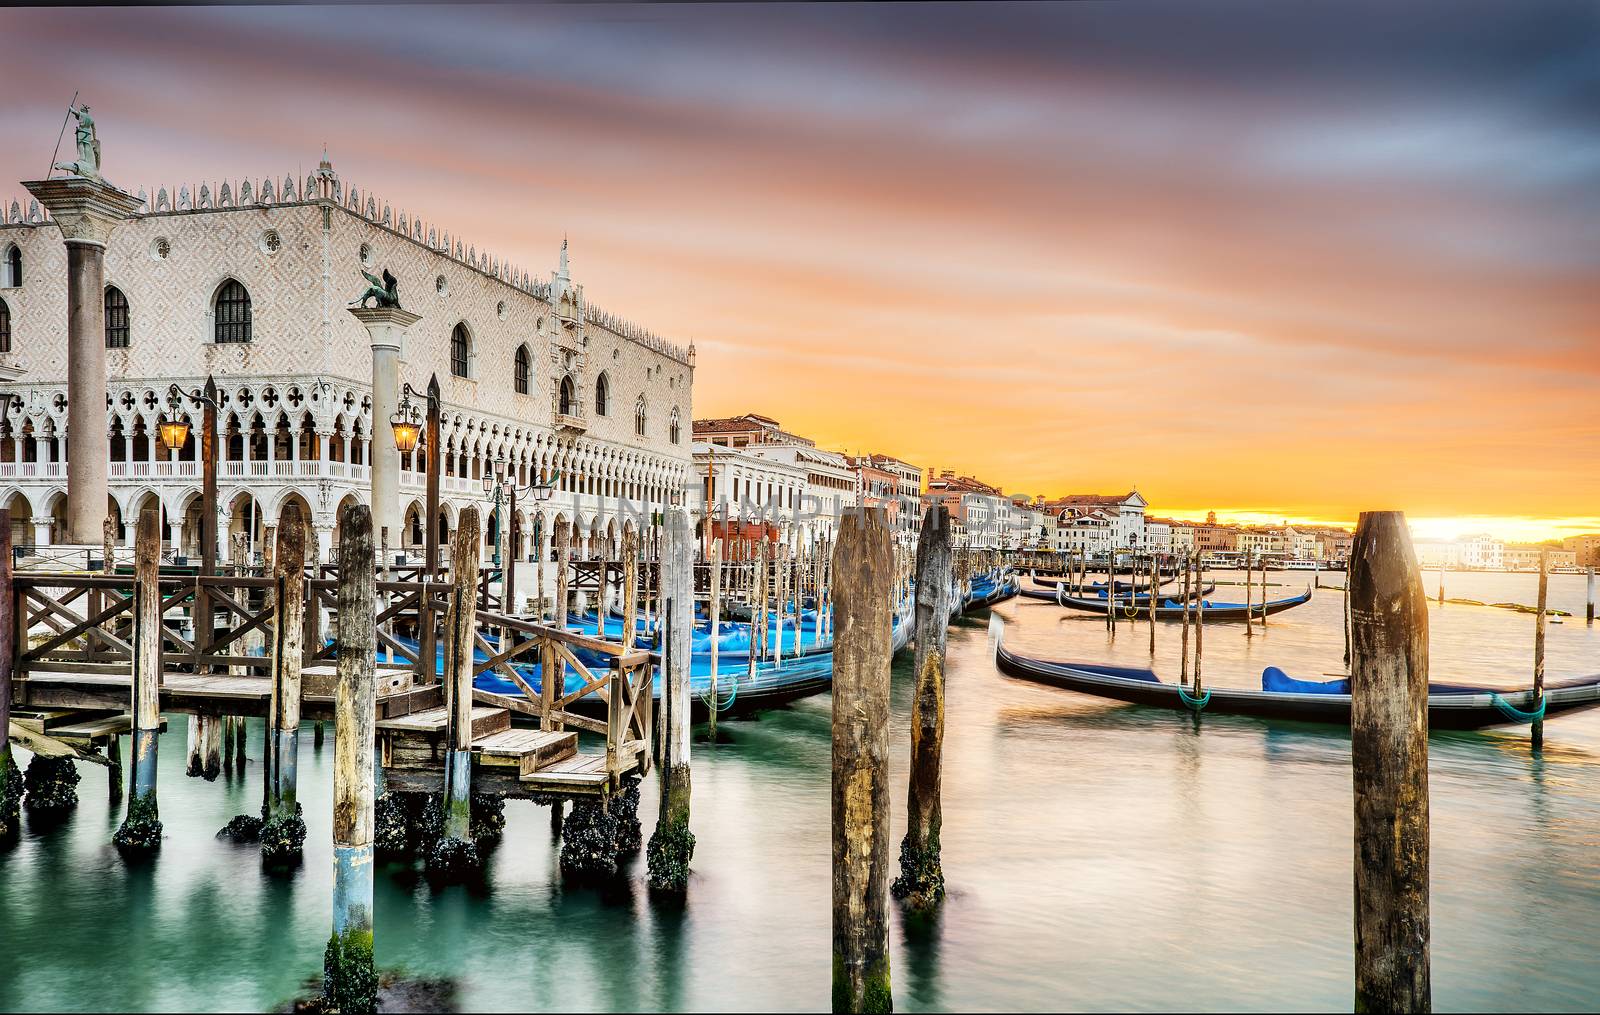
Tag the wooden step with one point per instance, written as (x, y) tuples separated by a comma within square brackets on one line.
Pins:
[(404, 703), (485, 720), (526, 750), (579, 773), (321, 679)]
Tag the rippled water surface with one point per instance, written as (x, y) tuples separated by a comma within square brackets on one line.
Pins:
[(1099, 856)]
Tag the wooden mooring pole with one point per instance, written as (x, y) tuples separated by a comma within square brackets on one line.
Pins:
[(284, 833), (13, 632), (455, 854), (1538, 648), (921, 880), (1589, 617), (671, 846), (350, 982), (714, 613), (863, 567), (141, 828), (1183, 663), (1389, 765)]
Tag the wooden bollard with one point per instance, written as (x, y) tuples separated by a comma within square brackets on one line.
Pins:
[(671, 846), (1389, 764), (284, 833), (350, 982), (456, 853), (13, 632), (863, 569), (1538, 647), (141, 828), (1155, 579), (921, 880), (1263, 596)]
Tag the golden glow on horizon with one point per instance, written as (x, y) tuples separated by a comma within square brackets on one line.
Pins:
[(1516, 529)]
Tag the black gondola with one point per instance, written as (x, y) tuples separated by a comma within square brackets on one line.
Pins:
[(1450, 706), (1172, 609)]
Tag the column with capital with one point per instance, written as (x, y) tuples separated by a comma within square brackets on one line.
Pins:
[(386, 329), (87, 210)]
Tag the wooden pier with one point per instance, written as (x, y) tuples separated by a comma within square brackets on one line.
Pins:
[(72, 676)]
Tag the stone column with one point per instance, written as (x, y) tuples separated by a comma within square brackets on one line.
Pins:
[(386, 329), (87, 211)]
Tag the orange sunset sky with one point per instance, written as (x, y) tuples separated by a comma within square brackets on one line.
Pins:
[(1283, 260)]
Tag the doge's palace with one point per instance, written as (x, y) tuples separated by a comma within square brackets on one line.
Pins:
[(249, 281)]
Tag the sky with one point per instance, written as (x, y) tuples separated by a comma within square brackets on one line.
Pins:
[(1284, 261)]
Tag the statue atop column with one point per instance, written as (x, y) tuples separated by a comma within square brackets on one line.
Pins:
[(384, 292), (88, 163)]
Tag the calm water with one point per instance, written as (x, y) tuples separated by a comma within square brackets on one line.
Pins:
[(1100, 856)]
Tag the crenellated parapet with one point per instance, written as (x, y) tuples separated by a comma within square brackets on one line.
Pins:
[(325, 187)]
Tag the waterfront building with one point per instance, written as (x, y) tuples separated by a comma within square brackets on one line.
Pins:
[(1525, 556), (1212, 537), (1181, 537), (903, 482), (248, 282), (1481, 551), (1124, 511), (830, 480), (1586, 549), (1157, 536), (1433, 554), (982, 510), (740, 489)]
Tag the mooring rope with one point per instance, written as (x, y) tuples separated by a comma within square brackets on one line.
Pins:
[(1197, 704), (1515, 714)]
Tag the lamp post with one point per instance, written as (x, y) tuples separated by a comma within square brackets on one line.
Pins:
[(407, 424), (174, 431), (503, 488)]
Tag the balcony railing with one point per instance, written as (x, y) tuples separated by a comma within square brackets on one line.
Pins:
[(33, 470)]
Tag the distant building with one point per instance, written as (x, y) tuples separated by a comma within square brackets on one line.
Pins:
[(907, 489), (1118, 518), (1525, 556), (829, 480), (1586, 549), (1483, 552), (981, 510)]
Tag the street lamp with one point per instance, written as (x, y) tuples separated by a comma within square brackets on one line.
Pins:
[(407, 423)]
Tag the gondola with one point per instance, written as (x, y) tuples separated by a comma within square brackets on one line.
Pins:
[(1450, 706), (1121, 586), (1140, 600), (1172, 609)]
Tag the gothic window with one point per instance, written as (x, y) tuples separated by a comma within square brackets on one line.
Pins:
[(116, 318), (460, 348), (13, 268), (566, 396), (672, 429), (602, 395), (233, 313), (522, 370), (5, 327), (638, 417)]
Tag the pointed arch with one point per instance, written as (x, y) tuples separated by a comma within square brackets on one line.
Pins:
[(461, 350), (233, 317), (522, 368), (602, 394), (639, 417), (567, 397), (116, 318)]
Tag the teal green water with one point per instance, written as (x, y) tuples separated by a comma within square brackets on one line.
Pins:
[(1099, 856)]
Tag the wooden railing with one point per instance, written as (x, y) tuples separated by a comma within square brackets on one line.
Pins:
[(625, 685), (87, 624)]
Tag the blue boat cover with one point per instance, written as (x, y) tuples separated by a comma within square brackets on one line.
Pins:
[(1274, 679)]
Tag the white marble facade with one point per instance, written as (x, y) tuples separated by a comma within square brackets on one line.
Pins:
[(296, 397)]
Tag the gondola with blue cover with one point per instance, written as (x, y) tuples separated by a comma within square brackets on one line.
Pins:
[(1450, 706)]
